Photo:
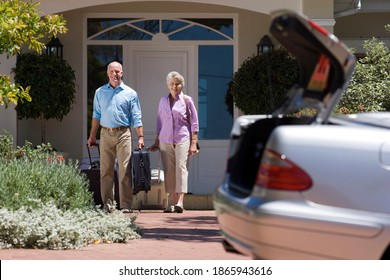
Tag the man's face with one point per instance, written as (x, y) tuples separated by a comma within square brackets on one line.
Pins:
[(115, 75)]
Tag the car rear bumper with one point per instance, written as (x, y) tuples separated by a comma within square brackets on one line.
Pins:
[(296, 229)]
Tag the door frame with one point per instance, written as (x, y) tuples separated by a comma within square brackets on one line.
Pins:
[(206, 169)]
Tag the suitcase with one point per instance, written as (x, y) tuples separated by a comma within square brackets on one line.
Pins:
[(141, 174), (92, 172), (156, 198)]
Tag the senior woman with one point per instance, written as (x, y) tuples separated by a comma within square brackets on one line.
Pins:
[(177, 135)]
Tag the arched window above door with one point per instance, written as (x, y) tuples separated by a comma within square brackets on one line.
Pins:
[(175, 29)]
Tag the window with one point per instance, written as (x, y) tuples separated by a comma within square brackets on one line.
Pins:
[(215, 73), (142, 29)]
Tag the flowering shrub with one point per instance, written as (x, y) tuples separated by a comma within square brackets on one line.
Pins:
[(51, 228), (8, 152)]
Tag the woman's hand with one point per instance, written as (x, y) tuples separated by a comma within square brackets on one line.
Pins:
[(154, 147), (193, 150)]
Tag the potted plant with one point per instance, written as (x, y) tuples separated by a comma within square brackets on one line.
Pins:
[(52, 82)]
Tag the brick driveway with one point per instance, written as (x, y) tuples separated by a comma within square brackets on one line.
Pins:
[(192, 235)]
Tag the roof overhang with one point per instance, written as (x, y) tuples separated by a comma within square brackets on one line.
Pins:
[(264, 6), (344, 8)]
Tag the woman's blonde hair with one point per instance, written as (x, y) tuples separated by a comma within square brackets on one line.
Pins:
[(175, 75)]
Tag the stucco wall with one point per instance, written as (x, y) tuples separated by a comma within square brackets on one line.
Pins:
[(363, 25), (7, 116), (318, 9)]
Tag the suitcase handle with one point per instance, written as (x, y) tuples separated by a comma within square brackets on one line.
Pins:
[(92, 164), (159, 168), (143, 149)]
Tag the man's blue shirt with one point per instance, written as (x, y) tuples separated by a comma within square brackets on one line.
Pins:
[(117, 107)]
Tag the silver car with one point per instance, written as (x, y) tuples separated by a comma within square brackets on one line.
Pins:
[(309, 187)]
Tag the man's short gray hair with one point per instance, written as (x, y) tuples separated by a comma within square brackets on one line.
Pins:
[(116, 63)]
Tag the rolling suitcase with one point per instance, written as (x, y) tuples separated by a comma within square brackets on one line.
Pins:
[(141, 173), (92, 172)]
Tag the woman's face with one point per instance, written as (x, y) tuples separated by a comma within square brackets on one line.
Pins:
[(175, 86)]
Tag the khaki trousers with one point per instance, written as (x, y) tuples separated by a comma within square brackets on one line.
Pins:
[(175, 160), (116, 145)]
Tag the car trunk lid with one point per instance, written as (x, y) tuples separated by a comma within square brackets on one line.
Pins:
[(326, 64)]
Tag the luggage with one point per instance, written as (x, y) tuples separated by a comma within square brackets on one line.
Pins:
[(92, 171), (141, 174), (156, 198)]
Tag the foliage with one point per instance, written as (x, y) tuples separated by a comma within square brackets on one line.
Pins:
[(45, 203), (10, 92), (6, 146), (52, 82), (49, 227), (37, 175), (27, 151), (262, 81), (29, 182), (20, 24), (369, 88)]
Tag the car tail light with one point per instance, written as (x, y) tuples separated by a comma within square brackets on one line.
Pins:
[(277, 172)]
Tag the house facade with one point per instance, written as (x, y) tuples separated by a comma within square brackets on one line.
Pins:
[(204, 40)]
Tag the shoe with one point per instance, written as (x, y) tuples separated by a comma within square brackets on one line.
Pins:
[(169, 209), (127, 211), (110, 207), (179, 208)]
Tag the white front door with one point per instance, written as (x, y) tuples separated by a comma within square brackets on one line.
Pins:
[(148, 67)]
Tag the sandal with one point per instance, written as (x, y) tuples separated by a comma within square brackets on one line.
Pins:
[(179, 209), (169, 209)]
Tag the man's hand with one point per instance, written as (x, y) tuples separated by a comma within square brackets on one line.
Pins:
[(91, 141), (141, 143)]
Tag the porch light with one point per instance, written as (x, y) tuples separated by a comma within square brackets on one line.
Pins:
[(54, 47), (264, 45)]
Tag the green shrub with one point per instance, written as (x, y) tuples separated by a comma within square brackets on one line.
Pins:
[(31, 176), (27, 183), (262, 81), (369, 88), (6, 146)]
